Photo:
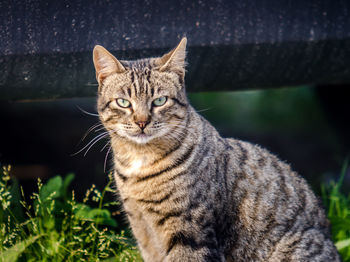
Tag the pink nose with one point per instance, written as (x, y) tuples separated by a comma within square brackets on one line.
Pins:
[(142, 124)]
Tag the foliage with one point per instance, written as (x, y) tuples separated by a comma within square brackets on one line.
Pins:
[(338, 206), (55, 227)]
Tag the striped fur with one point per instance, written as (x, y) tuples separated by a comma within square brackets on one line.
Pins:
[(191, 195)]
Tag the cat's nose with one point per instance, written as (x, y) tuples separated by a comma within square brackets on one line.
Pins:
[(142, 124)]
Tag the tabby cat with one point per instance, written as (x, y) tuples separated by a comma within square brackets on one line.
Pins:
[(189, 194)]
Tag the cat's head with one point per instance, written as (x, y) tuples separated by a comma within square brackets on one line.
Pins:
[(142, 100)]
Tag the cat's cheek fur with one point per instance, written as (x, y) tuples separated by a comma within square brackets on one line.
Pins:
[(172, 112)]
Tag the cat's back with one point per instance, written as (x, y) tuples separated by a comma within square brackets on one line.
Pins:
[(278, 214)]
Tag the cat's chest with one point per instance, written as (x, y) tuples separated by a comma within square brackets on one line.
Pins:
[(136, 165), (138, 213), (133, 165), (130, 184), (137, 161)]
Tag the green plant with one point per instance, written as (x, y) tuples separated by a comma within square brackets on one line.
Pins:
[(338, 206), (55, 227)]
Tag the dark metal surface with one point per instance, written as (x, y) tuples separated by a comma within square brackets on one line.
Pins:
[(45, 47)]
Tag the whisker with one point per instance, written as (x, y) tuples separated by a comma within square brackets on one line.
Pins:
[(97, 130), (95, 138), (90, 129), (174, 135), (86, 112), (103, 148), (105, 162), (202, 110), (101, 137), (181, 125), (176, 124)]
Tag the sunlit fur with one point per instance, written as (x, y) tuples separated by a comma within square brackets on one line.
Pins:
[(189, 194)]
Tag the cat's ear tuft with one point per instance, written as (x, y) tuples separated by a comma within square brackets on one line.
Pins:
[(175, 59), (105, 63)]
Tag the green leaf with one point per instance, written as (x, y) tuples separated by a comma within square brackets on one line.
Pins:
[(343, 244), (82, 211), (99, 216), (54, 185), (49, 223), (48, 192), (340, 223), (13, 253), (66, 182), (102, 216), (15, 206)]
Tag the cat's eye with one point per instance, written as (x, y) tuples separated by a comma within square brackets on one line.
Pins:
[(123, 102), (159, 101)]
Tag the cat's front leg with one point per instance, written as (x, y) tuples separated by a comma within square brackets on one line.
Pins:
[(144, 241), (187, 254), (143, 233), (185, 248)]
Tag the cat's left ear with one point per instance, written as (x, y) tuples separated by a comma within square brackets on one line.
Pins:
[(105, 63), (175, 59)]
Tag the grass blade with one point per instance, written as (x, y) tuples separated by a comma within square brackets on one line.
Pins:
[(13, 253), (343, 244)]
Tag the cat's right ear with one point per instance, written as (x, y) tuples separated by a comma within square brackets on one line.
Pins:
[(105, 63)]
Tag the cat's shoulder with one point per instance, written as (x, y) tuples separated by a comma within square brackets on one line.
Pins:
[(254, 156), (250, 150)]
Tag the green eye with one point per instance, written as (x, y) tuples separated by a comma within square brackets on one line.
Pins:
[(159, 101), (123, 102)]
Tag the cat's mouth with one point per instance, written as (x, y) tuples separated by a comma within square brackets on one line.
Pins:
[(141, 138), (142, 135)]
